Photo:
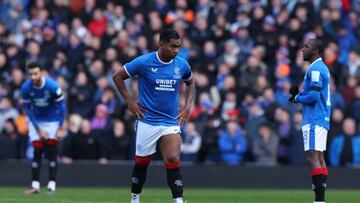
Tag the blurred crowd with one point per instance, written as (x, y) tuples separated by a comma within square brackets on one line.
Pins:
[(245, 54)]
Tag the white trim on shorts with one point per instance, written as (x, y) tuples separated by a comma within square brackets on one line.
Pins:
[(147, 136), (49, 127), (314, 137)]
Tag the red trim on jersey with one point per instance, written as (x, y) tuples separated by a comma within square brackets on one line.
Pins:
[(325, 172), (172, 165), (37, 144), (316, 171), (52, 141), (142, 160)]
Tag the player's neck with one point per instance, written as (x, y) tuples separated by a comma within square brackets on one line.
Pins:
[(314, 59), (162, 58), (40, 84)]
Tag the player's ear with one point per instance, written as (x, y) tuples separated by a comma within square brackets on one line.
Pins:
[(161, 43), (315, 51)]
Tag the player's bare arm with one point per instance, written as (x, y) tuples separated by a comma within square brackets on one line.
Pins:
[(118, 78), (185, 112)]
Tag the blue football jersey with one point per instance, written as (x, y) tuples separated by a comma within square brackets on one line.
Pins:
[(43, 104), (317, 75), (159, 84)]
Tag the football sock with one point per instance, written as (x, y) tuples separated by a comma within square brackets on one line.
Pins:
[(52, 157), (139, 174), (318, 184), (325, 173), (36, 163), (174, 179)]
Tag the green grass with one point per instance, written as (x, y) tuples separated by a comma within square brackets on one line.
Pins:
[(121, 195)]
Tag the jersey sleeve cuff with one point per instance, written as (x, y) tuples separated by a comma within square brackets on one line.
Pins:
[(127, 72), (189, 77)]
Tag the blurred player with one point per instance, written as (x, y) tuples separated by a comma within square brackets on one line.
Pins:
[(160, 75), (315, 99), (44, 104)]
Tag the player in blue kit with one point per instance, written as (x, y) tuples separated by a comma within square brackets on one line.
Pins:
[(160, 75), (44, 105), (315, 99)]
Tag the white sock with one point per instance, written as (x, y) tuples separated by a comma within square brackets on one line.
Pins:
[(319, 202), (135, 198), (51, 185), (178, 200), (35, 184)]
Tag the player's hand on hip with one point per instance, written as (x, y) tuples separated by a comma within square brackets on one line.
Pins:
[(136, 109), (183, 115)]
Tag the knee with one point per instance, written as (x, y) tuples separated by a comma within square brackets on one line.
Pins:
[(174, 158), (313, 160)]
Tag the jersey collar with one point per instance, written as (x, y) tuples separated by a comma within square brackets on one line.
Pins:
[(319, 59), (42, 85), (157, 56)]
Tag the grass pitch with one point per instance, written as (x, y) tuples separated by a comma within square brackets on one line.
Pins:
[(150, 195)]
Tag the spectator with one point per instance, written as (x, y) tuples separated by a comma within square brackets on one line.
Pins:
[(84, 145), (265, 146), (80, 95), (12, 143), (344, 150), (255, 119), (209, 150), (296, 145), (256, 56), (232, 144), (100, 122), (191, 143), (117, 141), (354, 108), (8, 111), (283, 127)]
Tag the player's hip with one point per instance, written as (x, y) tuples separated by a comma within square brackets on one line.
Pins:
[(316, 122), (156, 119), (143, 127)]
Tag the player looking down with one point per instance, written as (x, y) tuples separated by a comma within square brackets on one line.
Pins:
[(160, 75)]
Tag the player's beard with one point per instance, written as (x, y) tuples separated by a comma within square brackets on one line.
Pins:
[(306, 57), (37, 83)]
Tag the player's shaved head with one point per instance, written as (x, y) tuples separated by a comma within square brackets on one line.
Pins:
[(316, 44), (169, 45), (312, 50)]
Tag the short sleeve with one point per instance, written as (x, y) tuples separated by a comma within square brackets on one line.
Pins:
[(25, 97), (135, 67), (187, 72), (56, 91), (316, 78)]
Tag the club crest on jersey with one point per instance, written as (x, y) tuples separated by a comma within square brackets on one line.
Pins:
[(177, 73)]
